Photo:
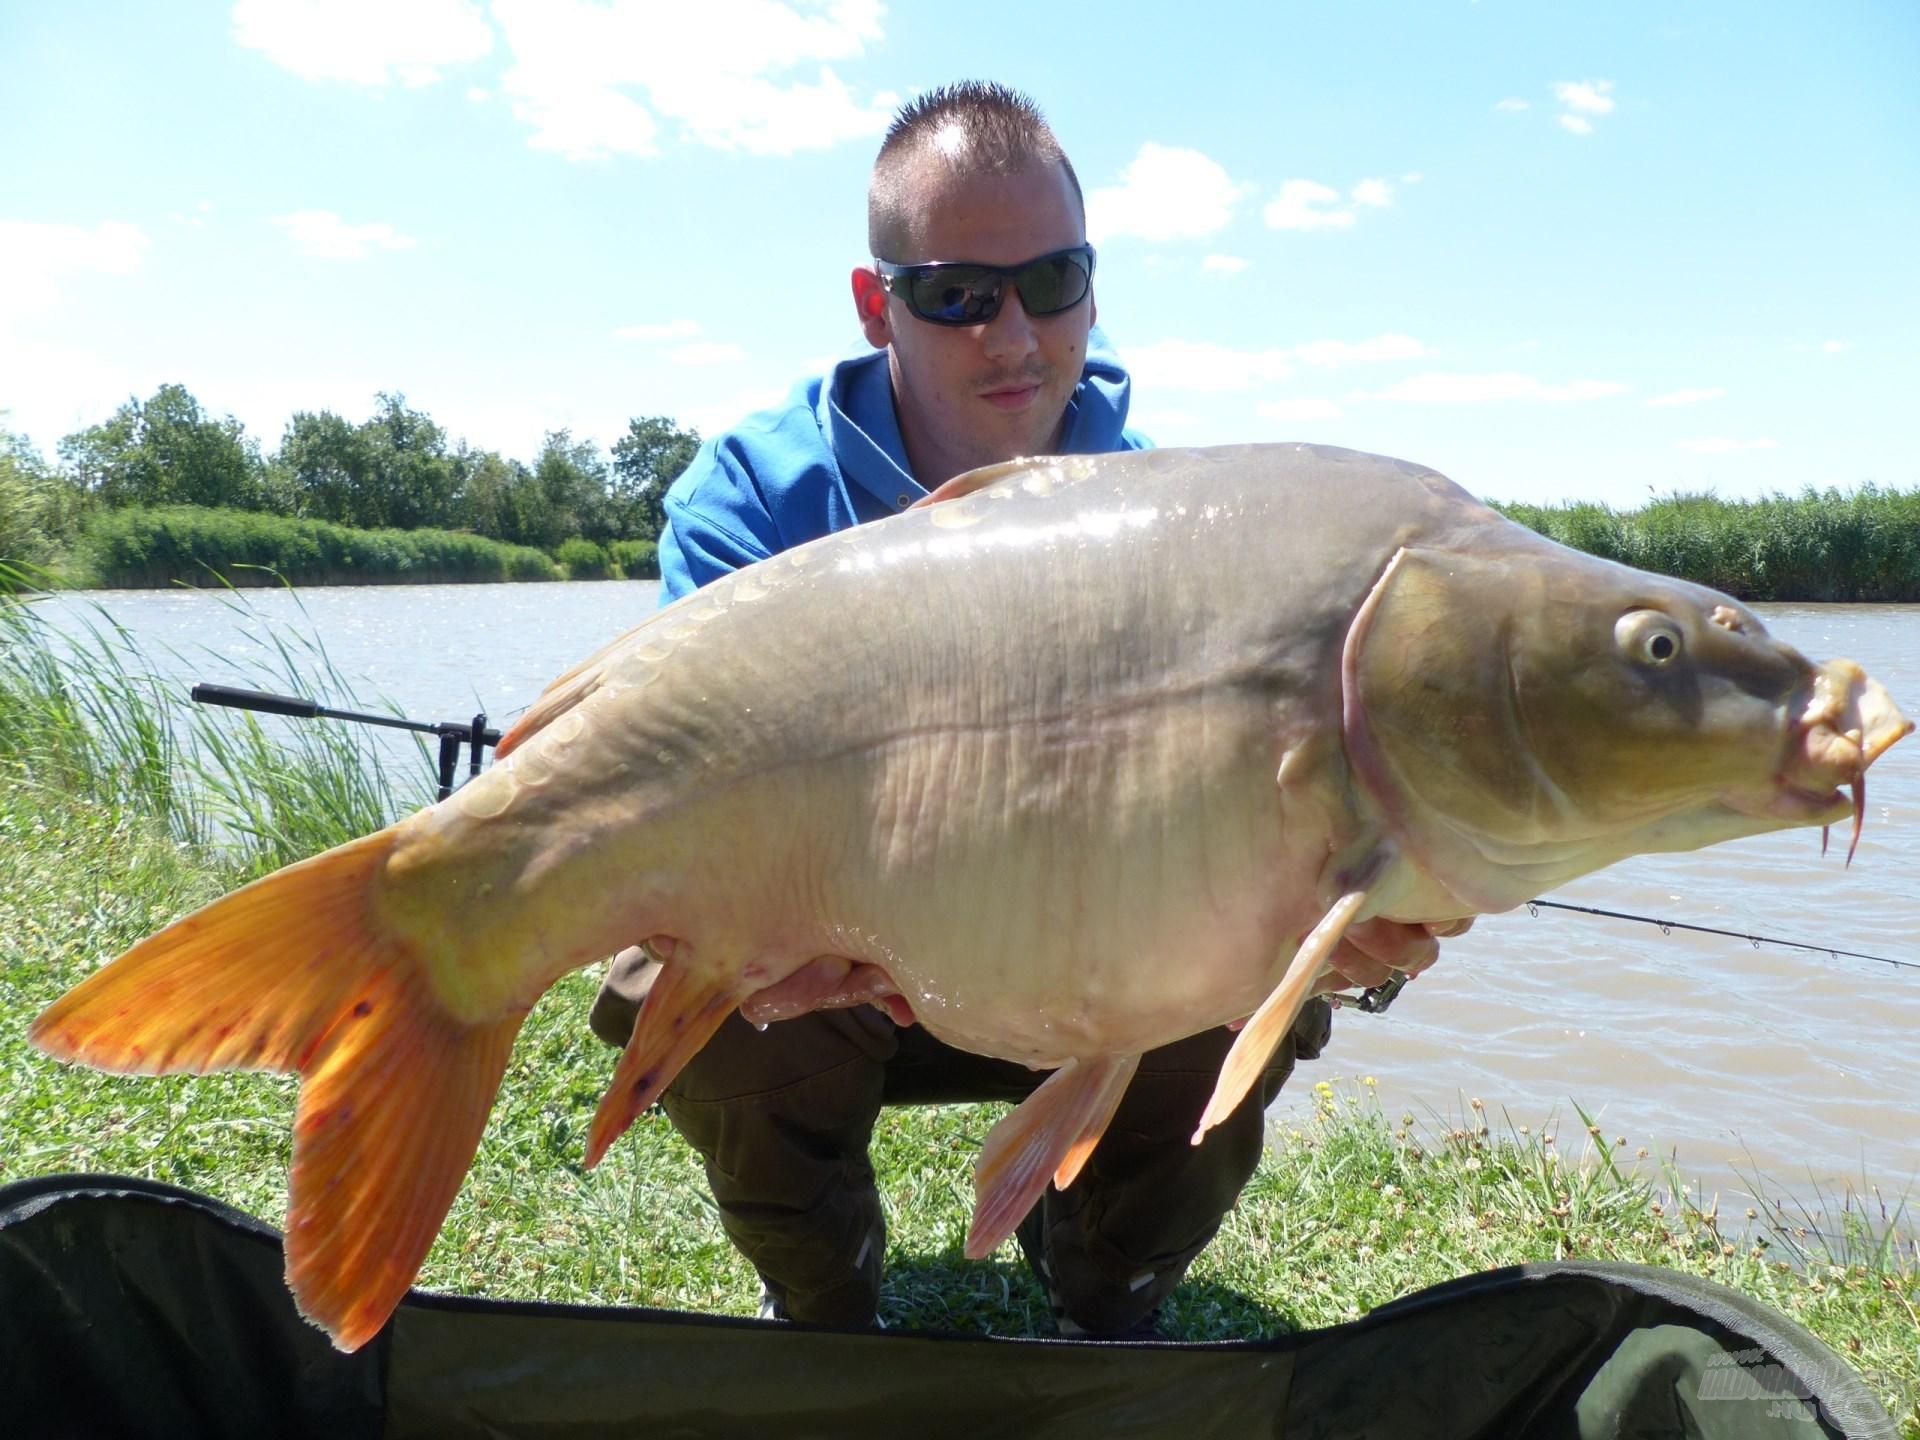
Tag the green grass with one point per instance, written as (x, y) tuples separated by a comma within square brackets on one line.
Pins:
[(1349, 1210)]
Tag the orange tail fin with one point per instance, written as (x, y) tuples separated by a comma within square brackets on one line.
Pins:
[(294, 972)]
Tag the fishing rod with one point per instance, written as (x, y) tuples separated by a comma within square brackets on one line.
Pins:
[(454, 734), (1534, 907), (1375, 999)]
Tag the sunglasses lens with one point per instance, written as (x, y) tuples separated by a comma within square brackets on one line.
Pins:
[(970, 294), (954, 294), (1056, 283)]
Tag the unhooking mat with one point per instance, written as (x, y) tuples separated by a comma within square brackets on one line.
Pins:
[(134, 1309)]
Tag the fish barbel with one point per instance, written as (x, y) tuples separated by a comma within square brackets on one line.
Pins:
[(1088, 755)]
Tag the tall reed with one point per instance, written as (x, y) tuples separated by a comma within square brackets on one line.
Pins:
[(1858, 546), (82, 713), (135, 546)]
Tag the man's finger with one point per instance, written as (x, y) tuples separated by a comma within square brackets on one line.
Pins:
[(1411, 948)]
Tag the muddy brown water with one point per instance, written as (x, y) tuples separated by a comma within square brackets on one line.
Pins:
[(1793, 1069)]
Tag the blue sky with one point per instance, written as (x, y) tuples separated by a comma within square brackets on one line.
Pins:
[(1556, 250)]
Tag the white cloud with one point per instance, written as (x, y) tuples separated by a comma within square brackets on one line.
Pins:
[(1223, 264), (1513, 104), (1721, 445), (1834, 347), (479, 94), (1204, 365), (1160, 422), (717, 415), (1587, 97), (36, 256), (53, 388), (1685, 397), (1376, 193), (595, 80), (1331, 353), (1299, 407), (1304, 205), (1166, 193), (1456, 389), (1412, 177), (664, 330), (1581, 99), (323, 235), (364, 42), (707, 352), (1207, 365)]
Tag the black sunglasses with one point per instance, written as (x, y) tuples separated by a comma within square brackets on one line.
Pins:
[(961, 293)]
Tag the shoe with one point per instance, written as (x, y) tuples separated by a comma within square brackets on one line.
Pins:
[(772, 1306), (1031, 1235), (1147, 1329)]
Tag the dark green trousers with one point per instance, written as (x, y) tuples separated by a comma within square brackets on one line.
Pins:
[(783, 1117)]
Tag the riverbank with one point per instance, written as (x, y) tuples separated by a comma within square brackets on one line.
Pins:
[(137, 547), (1352, 1206), (1859, 546)]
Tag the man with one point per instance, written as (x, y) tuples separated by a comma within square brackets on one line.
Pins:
[(973, 363)]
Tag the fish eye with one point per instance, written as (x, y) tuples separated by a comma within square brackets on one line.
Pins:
[(1648, 637)]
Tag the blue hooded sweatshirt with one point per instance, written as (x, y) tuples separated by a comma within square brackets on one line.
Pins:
[(832, 457)]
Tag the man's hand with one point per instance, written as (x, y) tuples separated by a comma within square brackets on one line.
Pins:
[(827, 982), (1371, 951)]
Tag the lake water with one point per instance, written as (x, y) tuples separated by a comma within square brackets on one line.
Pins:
[(1736, 1061)]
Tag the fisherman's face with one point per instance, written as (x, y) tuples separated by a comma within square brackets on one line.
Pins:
[(977, 395)]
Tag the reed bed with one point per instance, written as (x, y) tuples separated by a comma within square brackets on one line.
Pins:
[(1831, 546), (187, 544), (83, 716)]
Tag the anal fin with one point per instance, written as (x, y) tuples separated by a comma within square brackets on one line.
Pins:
[(681, 1013), (1048, 1137)]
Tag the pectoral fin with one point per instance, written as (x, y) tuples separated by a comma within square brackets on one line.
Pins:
[(1262, 1034), (1049, 1136)]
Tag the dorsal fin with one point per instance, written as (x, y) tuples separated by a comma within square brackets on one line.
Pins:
[(581, 680), (558, 698), (972, 480), (565, 692)]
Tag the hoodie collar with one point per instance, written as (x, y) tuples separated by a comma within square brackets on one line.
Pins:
[(856, 415)]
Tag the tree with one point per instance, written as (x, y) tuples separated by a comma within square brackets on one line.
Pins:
[(569, 493), (166, 451), (410, 475), (322, 460), (483, 485), (646, 460), (392, 470), (37, 508)]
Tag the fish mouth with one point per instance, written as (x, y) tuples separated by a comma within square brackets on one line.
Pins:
[(1848, 722)]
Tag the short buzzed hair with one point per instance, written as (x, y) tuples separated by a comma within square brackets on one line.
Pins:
[(974, 127)]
